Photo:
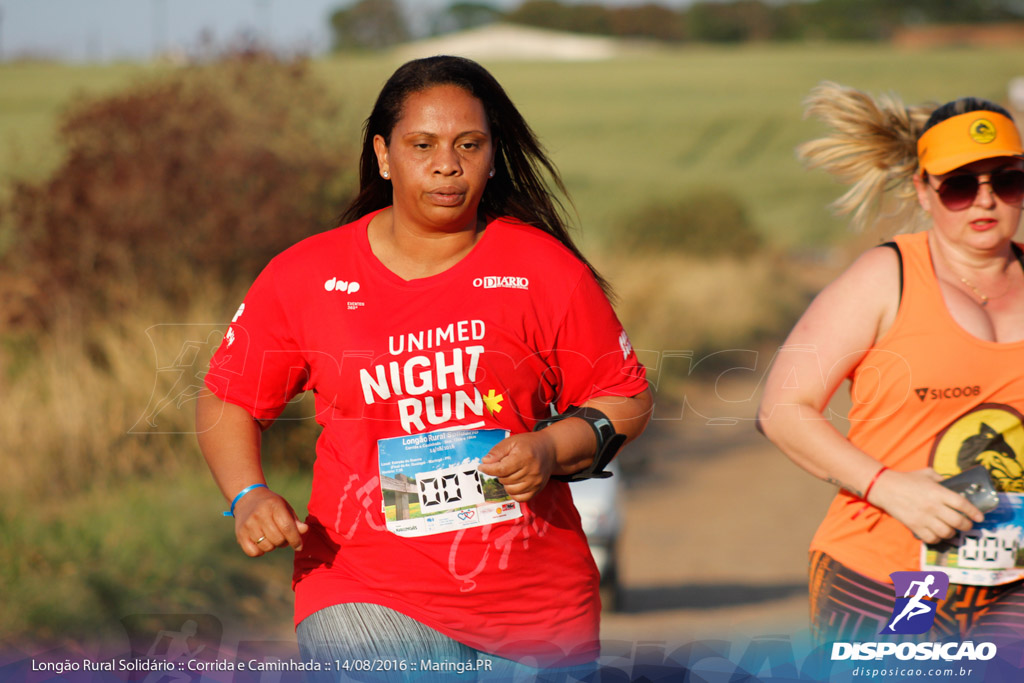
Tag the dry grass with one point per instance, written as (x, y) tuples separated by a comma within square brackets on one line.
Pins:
[(93, 403), (110, 510), (674, 302)]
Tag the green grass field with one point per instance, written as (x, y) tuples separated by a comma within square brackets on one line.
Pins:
[(73, 567), (623, 132), (32, 97), (656, 126), (627, 132)]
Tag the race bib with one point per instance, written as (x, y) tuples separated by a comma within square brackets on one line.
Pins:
[(430, 483), (990, 554)]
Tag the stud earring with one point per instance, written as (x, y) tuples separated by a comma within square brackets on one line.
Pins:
[(491, 174), (385, 174)]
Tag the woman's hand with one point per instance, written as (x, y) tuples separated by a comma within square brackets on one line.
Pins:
[(264, 521), (523, 463), (931, 511)]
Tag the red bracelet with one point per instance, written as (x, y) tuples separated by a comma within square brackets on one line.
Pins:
[(868, 490), (872, 483)]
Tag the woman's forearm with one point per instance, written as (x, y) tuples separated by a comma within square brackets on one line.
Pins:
[(629, 414), (523, 463), (229, 439), (931, 512), (575, 440), (807, 438)]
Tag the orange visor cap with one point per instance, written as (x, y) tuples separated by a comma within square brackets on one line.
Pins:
[(966, 138)]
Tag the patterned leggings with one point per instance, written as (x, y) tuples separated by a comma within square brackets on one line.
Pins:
[(847, 606)]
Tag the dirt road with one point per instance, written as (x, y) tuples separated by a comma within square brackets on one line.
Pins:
[(717, 525)]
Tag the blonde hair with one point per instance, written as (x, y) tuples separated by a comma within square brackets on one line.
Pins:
[(872, 147)]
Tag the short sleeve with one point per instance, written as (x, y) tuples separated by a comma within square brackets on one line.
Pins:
[(259, 364), (593, 355)]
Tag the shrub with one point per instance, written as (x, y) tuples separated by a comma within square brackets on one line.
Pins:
[(172, 196), (707, 222), (209, 170), (672, 302)]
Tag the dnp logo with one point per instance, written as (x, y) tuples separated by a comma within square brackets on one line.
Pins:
[(336, 285), (916, 596)]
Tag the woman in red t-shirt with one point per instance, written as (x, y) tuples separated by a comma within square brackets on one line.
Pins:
[(451, 306)]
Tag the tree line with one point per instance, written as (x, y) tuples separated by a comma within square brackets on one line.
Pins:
[(381, 23)]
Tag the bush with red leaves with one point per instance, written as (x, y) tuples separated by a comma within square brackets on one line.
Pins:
[(200, 176)]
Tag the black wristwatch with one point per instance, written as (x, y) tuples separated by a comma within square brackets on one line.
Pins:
[(608, 441)]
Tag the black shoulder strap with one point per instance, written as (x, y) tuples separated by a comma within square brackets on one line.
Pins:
[(899, 256)]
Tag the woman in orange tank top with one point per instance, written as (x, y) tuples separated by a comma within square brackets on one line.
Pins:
[(929, 329)]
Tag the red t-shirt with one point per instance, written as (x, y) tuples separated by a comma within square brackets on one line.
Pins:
[(519, 323)]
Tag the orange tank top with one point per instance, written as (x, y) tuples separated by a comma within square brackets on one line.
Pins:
[(927, 394)]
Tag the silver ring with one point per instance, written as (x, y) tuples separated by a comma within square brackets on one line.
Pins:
[(262, 538)]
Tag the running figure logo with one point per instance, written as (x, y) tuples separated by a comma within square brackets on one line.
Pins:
[(917, 594)]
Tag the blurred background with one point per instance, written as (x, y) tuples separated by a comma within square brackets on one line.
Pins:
[(154, 155)]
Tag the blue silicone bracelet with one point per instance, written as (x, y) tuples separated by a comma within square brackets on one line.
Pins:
[(231, 512)]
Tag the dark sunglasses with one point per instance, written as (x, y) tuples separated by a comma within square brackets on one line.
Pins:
[(958, 192)]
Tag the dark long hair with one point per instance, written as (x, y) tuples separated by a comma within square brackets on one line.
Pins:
[(517, 189)]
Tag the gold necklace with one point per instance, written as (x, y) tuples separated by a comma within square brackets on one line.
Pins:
[(984, 299), (978, 293)]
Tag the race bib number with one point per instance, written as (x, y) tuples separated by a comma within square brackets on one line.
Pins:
[(448, 489), (430, 483), (990, 554)]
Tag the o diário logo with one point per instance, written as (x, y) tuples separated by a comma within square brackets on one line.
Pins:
[(982, 131), (502, 281)]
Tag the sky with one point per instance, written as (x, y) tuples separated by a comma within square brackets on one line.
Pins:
[(108, 30)]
